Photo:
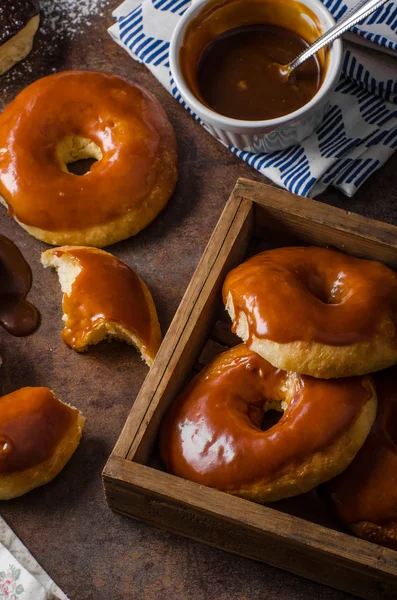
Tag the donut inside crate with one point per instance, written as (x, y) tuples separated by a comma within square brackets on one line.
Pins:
[(297, 534)]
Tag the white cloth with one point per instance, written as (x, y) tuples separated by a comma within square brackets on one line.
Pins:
[(21, 577), (357, 135)]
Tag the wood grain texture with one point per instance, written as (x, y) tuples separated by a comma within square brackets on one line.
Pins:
[(254, 531), (315, 223), (90, 551), (254, 214), (189, 329)]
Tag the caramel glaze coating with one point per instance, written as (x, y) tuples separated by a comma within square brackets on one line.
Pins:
[(32, 423), (364, 497), (136, 173), (312, 294), (107, 290), (212, 434)]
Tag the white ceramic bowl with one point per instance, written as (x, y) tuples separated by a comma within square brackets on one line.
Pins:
[(271, 134)]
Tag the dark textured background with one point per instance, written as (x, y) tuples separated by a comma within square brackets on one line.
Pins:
[(89, 551)]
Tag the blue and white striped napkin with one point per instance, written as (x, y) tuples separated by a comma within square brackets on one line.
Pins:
[(357, 135)]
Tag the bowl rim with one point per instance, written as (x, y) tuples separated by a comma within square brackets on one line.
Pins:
[(211, 116)]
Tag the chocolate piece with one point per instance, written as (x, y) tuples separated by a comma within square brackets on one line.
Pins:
[(14, 16), (19, 22), (17, 316)]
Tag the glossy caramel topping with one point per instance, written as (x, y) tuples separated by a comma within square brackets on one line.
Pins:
[(17, 316), (126, 123), (211, 434), (32, 423), (367, 490), (239, 73), (106, 289), (313, 294)]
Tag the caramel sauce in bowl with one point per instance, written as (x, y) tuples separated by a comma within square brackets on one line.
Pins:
[(223, 60)]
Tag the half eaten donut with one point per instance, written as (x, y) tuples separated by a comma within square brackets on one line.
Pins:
[(213, 432), (38, 435), (103, 298)]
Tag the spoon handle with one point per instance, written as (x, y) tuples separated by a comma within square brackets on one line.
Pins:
[(354, 16)]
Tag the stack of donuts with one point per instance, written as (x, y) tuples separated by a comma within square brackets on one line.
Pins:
[(315, 324)]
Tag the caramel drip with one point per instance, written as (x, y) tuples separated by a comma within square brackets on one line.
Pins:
[(6, 446), (211, 434), (32, 423), (367, 490), (106, 289), (17, 316), (313, 294)]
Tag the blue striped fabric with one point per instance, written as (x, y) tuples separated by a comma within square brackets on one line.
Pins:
[(359, 131), (175, 7), (362, 77), (380, 27)]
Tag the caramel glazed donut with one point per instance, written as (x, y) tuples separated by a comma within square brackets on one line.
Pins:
[(212, 433), (364, 497), (38, 435), (315, 311), (75, 115)]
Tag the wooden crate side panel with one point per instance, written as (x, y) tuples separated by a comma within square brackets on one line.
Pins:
[(198, 324), (299, 219), (293, 229), (253, 531), (313, 211)]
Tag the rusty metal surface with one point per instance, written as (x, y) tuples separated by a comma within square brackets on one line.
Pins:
[(89, 551)]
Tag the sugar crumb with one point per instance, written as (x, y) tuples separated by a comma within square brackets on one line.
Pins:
[(68, 18), (61, 21)]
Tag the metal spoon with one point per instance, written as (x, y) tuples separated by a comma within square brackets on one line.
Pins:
[(354, 16)]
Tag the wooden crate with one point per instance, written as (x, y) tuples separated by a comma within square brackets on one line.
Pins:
[(297, 535)]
